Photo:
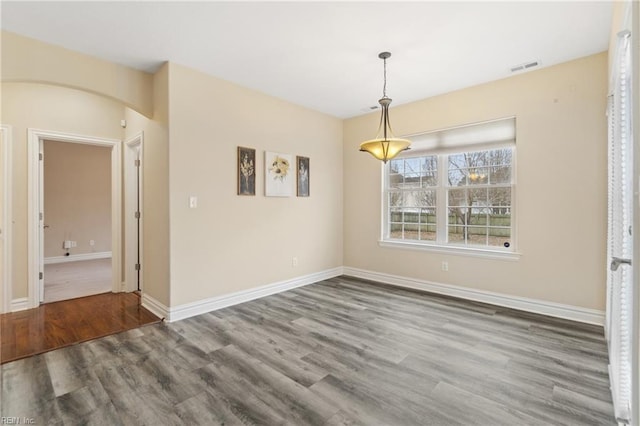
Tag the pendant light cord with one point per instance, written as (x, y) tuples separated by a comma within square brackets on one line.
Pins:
[(384, 87)]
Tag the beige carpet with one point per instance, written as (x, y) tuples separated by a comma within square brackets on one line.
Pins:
[(70, 280)]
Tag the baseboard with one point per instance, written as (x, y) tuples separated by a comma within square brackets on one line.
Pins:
[(20, 304), (574, 313), (76, 257), (157, 308), (207, 305)]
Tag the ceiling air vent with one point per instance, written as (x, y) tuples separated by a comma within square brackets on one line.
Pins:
[(525, 66), (371, 108)]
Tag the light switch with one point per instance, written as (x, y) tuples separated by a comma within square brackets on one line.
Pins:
[(193, 202)]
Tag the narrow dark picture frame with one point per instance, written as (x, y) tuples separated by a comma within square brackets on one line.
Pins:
[(303, 175), (246, 171)]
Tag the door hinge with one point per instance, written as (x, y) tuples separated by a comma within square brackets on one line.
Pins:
[(617, 261), (40, 156), (137, 163), (137, 266), (40, 215), (137, 215), (41, 275)]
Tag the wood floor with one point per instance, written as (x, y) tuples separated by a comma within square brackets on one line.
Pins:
[(339, 352), (70, 280), (59, 324)]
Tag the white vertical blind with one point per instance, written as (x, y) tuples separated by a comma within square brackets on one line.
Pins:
[(619, 238)]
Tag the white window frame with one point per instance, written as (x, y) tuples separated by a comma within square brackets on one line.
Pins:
[(441, 245)]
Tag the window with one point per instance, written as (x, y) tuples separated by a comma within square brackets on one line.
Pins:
[(454, 196)]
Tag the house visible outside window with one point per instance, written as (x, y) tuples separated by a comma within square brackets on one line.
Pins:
[(454, 189)]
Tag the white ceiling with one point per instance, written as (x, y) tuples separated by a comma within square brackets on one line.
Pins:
[(324, 55)]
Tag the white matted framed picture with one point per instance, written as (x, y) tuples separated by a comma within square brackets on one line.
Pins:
[(279, 175), (302, 172)]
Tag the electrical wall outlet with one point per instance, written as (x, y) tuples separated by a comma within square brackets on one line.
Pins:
[(67, 244), (294, 261), (445, 266), (92, 243)]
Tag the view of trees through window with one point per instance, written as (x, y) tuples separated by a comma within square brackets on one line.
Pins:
[(476, 187)]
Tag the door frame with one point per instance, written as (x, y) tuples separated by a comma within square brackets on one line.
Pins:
[(133, 151), (635, 119), (35, 139), (7, 222)]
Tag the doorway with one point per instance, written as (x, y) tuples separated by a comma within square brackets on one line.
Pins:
[(77, 220), (38, 223)]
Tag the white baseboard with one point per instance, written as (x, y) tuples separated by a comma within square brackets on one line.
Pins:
[(157, 308), (20, 304), (214, 303), (76, 257), (575, 313)]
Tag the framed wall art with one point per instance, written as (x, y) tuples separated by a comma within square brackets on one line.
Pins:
[(246, 171), (302, 172), (279, 175)]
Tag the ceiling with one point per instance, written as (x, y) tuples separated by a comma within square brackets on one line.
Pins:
[(324, 55)]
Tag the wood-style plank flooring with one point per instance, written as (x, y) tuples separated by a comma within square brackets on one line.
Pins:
[(59, 324), (339, 352)]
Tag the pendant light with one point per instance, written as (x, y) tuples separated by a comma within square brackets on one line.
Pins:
[(385, 146)]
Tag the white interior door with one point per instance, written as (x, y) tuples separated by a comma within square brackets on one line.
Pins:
[(133, 213), (620, 232)]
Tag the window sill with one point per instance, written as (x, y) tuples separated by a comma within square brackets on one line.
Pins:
[(462, 251)]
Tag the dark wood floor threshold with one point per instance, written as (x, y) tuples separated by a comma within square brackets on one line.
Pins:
[(59, 324)]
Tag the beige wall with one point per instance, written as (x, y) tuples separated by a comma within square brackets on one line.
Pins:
[(40, 106), (59, 107), (4, 216), (230, 242), (155, 198), (561, 185), (77, 198), (28, 60)]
